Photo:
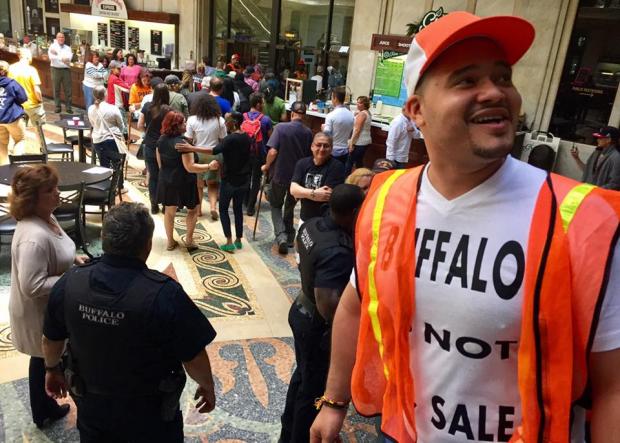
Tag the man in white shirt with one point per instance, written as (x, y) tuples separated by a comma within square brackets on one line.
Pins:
[(318, 78), (485, 304), (400, 134), (339, 124), (60, 60)]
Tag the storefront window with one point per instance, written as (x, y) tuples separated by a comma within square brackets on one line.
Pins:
[(591, 73), (342, 23), (5, 18), (221, 18), (251, 20), (303, 27)]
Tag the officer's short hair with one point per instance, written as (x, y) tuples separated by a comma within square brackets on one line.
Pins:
[(345, 200), (127, 229)]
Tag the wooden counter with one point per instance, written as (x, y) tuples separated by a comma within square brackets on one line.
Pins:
[(378, 133), (42, 64)]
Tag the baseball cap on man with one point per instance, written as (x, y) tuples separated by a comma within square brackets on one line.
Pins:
[(607, 131), (172, 79), (513, 35)]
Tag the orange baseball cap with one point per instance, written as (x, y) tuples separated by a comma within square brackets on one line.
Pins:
[(513, 34)]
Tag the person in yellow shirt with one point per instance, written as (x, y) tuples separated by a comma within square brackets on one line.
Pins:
[(27, 76)]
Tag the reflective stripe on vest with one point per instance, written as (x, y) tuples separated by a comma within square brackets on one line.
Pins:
[(571, 202), (574, 226), (373, 305)]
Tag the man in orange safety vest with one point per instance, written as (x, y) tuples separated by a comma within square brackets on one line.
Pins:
[(486, 296)]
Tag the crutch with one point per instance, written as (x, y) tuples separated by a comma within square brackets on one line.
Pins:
[(263, 182)]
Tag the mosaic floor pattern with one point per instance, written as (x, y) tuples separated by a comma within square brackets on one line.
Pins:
[(246, 295)]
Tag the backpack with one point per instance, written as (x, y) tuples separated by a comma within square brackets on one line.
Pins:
[(253, 129)]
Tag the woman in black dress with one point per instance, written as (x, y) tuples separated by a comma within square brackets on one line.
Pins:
[(177, 179), (151, 117), (235, 149)]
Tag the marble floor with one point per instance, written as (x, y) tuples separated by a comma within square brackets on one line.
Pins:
[(246, 296)]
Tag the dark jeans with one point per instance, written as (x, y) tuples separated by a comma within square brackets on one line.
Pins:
[(41, 404), (108, 154), (355, 158), (255, 176), (399, 165), (230, 192), (311, 336), (61, 77), (112, 420), (342, 158), (150, 159), (283, 225)]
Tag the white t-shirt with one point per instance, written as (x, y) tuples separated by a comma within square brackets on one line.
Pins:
[(205, 132), (470, 264), (107, 122)]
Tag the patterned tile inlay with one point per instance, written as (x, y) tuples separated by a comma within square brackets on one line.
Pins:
[(251, 378)]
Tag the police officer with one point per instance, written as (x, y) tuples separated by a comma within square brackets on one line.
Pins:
[(130, 332), (325, 263)]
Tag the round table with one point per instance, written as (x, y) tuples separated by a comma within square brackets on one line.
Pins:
[(70, 173), (85, 125)]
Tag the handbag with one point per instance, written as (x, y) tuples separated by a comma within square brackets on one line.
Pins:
[(118, 139), (140, 153)]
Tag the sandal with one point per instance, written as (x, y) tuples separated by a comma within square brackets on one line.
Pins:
[(191, 247), (172, 246), (227, 248), (238, 244)]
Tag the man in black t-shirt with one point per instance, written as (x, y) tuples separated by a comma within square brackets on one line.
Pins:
[(325, 263), (315, 177), (129, 331), (289, 143)]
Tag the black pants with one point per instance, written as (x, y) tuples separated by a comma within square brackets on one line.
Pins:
[(113, 420), (230, 192), (42, 405), (311, 336), (256, 161), (283, 224), (109, 157), (355, 158), (150, 159)]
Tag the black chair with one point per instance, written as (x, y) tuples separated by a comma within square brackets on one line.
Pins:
[(69, 214), (104, 194), (73, 138), (7, 222), (65, 150), (27, 159)]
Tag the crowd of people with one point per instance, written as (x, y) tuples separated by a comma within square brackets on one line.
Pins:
[(472, 298)]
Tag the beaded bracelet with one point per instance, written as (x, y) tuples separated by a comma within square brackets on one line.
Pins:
[(324, 401)]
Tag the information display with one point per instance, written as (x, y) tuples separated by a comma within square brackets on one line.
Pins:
[(390, 87), (388, 77), (102, 34), (134, 38), (117, 34)]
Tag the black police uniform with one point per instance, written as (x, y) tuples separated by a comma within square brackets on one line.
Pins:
[(129, 329), (325, 261)]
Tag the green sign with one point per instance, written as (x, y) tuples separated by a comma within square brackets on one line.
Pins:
[(389, 77)]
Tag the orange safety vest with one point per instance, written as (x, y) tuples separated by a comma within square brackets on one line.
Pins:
[(574, 230)]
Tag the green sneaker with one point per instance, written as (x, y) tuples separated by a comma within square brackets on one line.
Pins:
[(227, 248), (238, 244)]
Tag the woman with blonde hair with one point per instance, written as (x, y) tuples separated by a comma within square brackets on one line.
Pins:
[(361, 135), (40, 253), (361, 177)]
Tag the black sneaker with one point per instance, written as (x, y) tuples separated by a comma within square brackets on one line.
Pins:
[(154, 209), (251, 212), (57, 110), (69, 111), (283, 248)]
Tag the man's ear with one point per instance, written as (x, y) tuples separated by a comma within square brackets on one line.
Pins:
[(414, 110)]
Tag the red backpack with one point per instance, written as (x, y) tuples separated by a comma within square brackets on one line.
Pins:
[(253, 129)]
